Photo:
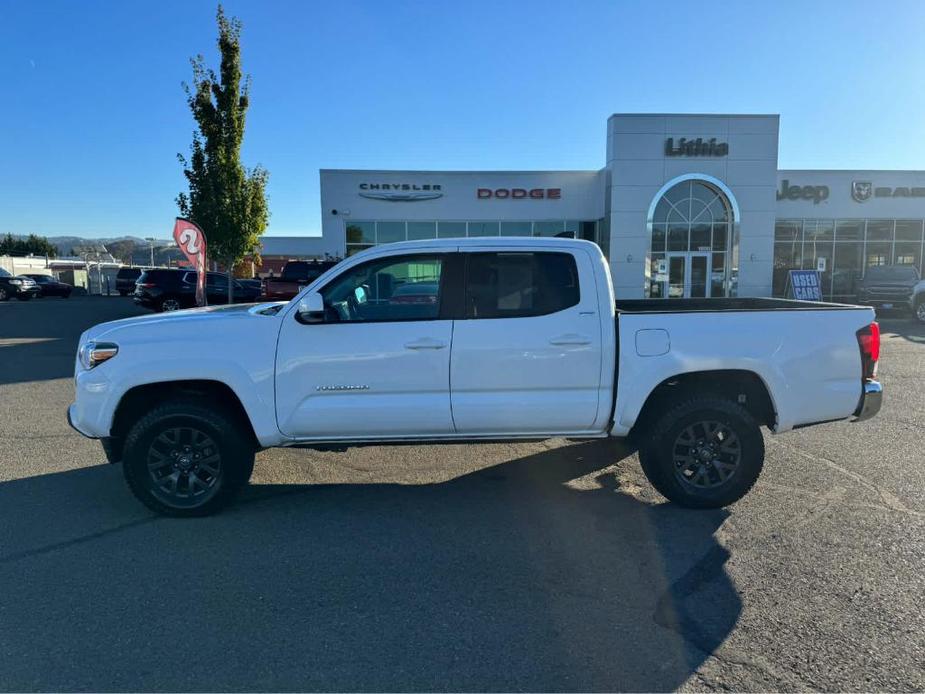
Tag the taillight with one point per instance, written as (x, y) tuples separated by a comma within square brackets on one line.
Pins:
[(869, 343), (146, 285)]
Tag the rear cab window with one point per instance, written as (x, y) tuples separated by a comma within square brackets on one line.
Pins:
[(514, 284)]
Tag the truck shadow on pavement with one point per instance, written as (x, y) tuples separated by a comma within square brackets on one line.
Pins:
[(534, 574)]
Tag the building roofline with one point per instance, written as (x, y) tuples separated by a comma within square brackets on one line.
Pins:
[(463, 171), (858, 171), (695, 115)]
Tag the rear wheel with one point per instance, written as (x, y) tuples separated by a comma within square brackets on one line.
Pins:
[(186, 459), (704, 452), (4, 294), (170, 304)]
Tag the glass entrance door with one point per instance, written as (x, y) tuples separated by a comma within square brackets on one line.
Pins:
[(699, 272), (689, 275)]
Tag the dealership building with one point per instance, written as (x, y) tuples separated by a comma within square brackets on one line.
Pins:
[(685, 206)]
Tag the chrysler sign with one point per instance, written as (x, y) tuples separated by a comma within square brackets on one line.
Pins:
[(401, 192)]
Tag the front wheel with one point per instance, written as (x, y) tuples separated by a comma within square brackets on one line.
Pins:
[(4, 294), (704, 452), (920, 310), (186, 459)]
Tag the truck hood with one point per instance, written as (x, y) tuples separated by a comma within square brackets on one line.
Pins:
[(185, 322)]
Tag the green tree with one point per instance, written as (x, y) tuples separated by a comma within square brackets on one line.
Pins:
[(226, 200), (36, 245)]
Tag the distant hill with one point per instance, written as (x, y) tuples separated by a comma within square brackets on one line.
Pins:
[(64, 244)]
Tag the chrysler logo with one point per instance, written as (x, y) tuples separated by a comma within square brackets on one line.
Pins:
[(861, 190), (401, 192)]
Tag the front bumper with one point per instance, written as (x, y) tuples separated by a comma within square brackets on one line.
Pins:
[(70, 421), (871, 401)]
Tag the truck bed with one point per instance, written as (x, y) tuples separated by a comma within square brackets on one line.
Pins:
[(724, 305)]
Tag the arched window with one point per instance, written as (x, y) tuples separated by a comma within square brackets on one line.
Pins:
[(692, 223)]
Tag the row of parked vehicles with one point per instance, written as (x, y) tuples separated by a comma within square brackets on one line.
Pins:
[(163, 289), (25, 287)]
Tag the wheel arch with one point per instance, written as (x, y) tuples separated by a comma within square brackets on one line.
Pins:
[(739, 385), (142, 398)]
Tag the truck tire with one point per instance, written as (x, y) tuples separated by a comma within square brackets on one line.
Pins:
[(704, 451), (184, 459)]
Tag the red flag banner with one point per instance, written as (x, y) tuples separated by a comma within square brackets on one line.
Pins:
[(192, 241)]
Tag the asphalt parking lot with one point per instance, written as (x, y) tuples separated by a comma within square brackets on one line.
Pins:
[(542, 566)]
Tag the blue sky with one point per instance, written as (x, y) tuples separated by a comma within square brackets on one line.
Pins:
[(93, 114)]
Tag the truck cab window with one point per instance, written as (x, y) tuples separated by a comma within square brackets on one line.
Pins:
[(392, 289), (518, 285)]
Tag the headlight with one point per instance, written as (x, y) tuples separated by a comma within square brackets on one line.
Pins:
[(95, 353), (15, 281)]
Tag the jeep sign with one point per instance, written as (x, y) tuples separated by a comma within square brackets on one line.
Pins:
[(815, 193)]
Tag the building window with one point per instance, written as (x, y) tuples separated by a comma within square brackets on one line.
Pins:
[(856, 245), (691, 228), (517, 228), (548, 228), (365, 234), (451, 230), (418, 231), (360, 236), (484, 229)]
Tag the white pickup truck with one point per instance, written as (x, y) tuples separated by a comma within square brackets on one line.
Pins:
[(473, 340)]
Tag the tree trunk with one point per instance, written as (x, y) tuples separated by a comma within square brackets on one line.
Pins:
[(230, 266)]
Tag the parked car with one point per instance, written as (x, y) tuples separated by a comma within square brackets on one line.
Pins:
[(296, 274), (893, 287), (126, 278), (169, 290), (49, 286), (20, 286), (524, 341)]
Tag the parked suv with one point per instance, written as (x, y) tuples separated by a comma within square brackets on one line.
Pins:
[(126, 278), (893, 286), (20, 286), (169, 290)]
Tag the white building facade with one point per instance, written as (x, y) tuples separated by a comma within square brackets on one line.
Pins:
[(685, 206)]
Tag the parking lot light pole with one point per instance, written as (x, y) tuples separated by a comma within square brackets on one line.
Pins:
[(150, 241)]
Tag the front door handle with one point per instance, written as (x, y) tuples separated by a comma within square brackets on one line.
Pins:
[(570, 339), (425, 343)]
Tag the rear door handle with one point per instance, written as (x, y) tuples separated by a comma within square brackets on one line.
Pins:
[(425, 343), (570, 339)]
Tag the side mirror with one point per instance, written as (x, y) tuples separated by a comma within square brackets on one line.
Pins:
[(311, 308)]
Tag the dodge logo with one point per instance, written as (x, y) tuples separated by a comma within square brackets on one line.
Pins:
[(861, 190)]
